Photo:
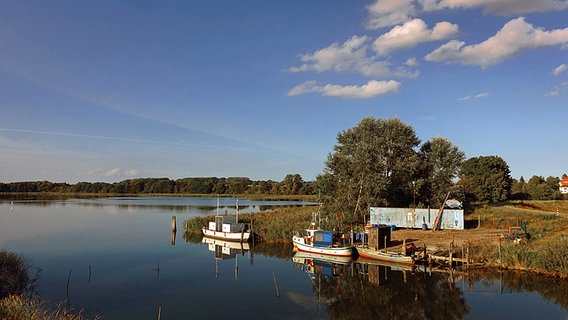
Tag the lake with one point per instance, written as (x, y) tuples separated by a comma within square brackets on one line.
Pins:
[(115, 257)]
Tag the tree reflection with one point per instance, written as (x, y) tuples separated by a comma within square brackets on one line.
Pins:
[(369, 291)]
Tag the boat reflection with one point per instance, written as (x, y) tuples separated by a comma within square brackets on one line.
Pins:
[(373, 289), (227, 250)]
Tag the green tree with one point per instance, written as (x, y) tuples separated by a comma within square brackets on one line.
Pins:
[(371, 165), (486, 179), (291, 184), (539, 188), (441, 161), (518, 189)]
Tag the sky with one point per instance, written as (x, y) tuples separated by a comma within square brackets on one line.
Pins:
[(102, 91)]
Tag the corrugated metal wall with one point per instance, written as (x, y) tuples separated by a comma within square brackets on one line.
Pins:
[(451, 219)]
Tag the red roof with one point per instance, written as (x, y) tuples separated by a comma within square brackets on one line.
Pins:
[(564, 182)]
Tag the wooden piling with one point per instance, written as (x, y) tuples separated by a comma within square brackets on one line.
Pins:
[(174, 230), (276, 285)]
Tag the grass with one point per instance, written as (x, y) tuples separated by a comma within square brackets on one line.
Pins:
[(15, 282), (545, 247), (18, 307)]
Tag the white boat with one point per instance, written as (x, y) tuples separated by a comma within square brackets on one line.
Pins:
[(321, 242), (227, 227)]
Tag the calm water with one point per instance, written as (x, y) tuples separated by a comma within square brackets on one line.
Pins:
[(118, 257)]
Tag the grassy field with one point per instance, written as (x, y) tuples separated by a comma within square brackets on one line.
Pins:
[(545, 246)]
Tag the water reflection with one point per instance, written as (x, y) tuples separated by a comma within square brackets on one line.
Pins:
[(373, 290), (226, 250), (200, 205)]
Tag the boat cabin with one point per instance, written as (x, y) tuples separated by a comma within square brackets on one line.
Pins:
[(227, 224)]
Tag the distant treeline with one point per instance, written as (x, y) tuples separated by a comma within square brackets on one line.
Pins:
[(292, 184)]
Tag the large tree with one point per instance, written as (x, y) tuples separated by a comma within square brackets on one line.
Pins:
[(371, 165), (486, 179), (441, 161)]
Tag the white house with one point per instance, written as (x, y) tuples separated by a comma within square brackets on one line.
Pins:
[(563, 185)]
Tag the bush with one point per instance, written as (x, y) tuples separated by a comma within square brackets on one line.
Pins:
[(14, 277)]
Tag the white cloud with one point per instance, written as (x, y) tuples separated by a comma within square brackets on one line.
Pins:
[(560, 69), (115, 173), (384, 13), (351, 56), (475, 96), (335, 57), (411, 34), (515, 37), (500, 7), (372, 89), (411, 62)]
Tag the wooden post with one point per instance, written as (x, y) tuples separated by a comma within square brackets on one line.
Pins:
[(174, 230)]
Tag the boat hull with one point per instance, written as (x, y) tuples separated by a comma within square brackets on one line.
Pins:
[(343, 251), (227, 236), (384, 256)]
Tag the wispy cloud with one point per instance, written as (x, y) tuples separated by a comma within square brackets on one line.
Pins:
[(501, 7), (475, 96), (351, 56), (384, 13), (99, 137), (369, 90), (558, 90), (515, 37), (116, 173), (559, 70)]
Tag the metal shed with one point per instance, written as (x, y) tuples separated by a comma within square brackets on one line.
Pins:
[(451, 219)]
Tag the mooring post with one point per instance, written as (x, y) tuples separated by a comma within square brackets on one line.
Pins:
[(174, 230), (276, 285)]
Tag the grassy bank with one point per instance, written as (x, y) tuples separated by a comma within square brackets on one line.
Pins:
[(545, 246), (543, 249), (16, 299)]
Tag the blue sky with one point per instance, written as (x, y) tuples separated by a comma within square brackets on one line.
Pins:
[(111, 90)]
